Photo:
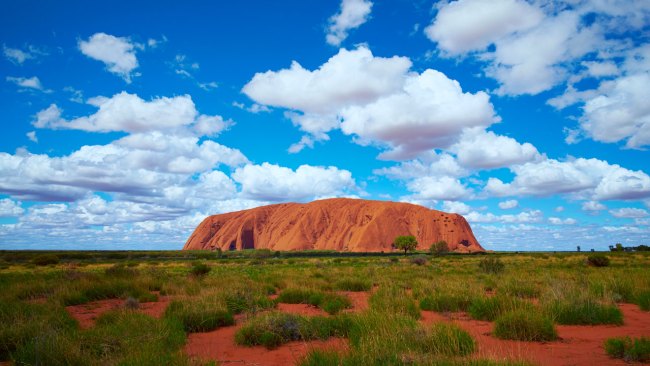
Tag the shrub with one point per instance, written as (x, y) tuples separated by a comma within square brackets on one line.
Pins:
[(295, 296), (120, 270), (629, 349), (643, 300), (598, 260), (352, 284), (131, 303), (583, 312), (274, 329), (333, 303), (321, 357), (439, 248), (45, 259), (196, 318), (449, 340), (392, 299), (491, 265), (200, 269), (524, 325), (240, 300), (442, 302), (489, 308), (419, 260)]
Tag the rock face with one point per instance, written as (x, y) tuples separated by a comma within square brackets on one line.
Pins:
[(333, 224)]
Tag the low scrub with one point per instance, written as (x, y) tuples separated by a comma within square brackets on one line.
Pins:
[(200, 316), (491, 265), (274, 329), (240, 300), (489, 308), (45, 259), (583, 312), (199, 269), (443, 302), (643, 300), (393, 299), (524, 325), (22, 322), (448, 340), (629, 349), (598, 260), (351, 284)]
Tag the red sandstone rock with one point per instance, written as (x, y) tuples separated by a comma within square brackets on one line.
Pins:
[(340, 224)]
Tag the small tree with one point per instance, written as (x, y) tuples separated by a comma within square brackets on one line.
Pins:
[(578, 248), (619, 247), (405, 243), (438, 248)]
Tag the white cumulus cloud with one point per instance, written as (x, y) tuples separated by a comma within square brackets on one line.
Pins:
[(118, 53), (129, 113), (352, 14), (270, 182), (629, 212), (471, 25), (506, 205)]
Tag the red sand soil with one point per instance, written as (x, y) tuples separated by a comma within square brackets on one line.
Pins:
[(340, 224), (359, 300), (87, 313), (220, 344), (579, 345)]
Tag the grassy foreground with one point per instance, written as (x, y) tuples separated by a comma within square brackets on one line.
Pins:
[(529, 295)]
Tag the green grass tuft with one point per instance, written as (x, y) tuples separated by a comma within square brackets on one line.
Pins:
[(524, 325), (195, 317), (351, 284), (583, 312), (629, 349)]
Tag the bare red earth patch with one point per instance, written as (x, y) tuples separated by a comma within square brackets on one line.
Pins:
[(87, 313), (359, 300), (578, 345), (220, 345)]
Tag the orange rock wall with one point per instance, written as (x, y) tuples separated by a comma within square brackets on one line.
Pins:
[(333, 224)]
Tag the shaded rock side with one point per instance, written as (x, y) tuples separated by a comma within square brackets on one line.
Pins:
[(333, 224)]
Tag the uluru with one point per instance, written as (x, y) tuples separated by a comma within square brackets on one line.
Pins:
[(340, 224)]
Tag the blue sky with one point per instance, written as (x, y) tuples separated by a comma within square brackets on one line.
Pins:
[(125, 126)]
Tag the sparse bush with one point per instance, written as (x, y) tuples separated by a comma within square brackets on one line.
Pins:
[(629, 349), (643, 300), (197, 318), (598, 260), (419, 260), (45, 259), (442, 302), (491, 265), (353, 284), (439, 248), (243, 299), (321, 357), (524, 325), (274, 329), (449, 340), (131, 303), (489, 308), (200, 269), (583, 312)]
